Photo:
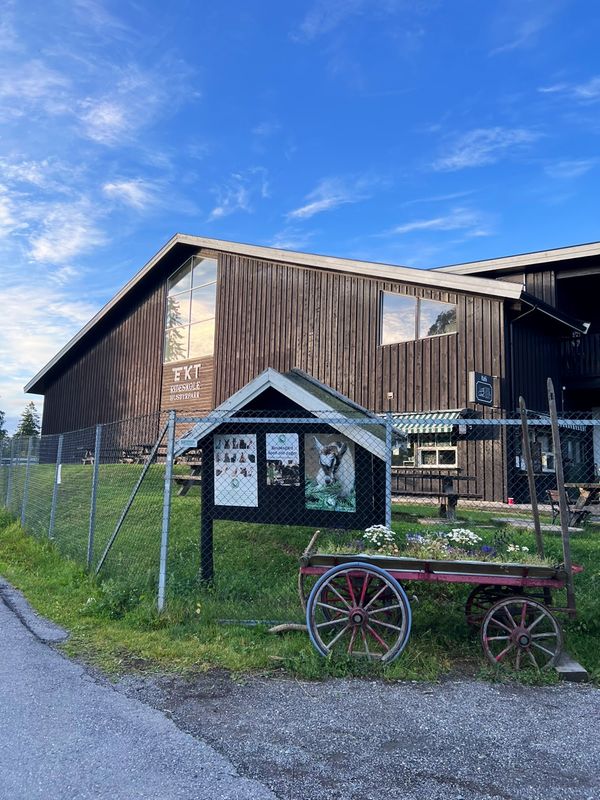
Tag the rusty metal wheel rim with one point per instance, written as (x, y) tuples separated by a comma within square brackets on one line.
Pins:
[(521, 633)]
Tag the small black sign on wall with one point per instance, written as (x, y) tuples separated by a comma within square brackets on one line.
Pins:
[(481, 388)]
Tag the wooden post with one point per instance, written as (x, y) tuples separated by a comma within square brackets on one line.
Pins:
[(531, 478), (562, 497)]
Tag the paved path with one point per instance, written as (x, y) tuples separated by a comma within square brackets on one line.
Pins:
[(63, 736)]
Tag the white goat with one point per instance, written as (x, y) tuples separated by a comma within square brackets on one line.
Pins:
[(336, 466)]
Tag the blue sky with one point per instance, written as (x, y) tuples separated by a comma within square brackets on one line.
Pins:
[(413, 132)]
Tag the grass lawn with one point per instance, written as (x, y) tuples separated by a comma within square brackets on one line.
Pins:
[(114, 624)]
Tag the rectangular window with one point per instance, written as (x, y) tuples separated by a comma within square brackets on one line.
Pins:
[(399, 318), (190, 313), (436, 457), (405, 318), (424, 450)]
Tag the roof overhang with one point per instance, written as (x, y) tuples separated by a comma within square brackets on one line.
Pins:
[(558, 316), (421, 277), (517, 262)]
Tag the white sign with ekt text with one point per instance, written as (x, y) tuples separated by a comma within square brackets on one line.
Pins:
[(235, 476)]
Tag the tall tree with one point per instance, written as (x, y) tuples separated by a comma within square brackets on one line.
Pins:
[(29, 424), (2, 428)]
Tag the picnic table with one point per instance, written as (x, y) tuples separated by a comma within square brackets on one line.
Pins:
[(589, 494), (186, 482), (447, 492)]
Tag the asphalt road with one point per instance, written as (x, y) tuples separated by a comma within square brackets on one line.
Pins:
[(65, 736), (360, 740)]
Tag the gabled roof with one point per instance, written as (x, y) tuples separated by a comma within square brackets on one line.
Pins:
[(421, 277), (520, 261), (316, 398)]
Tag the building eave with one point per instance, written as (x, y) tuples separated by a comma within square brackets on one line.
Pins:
[(522, 260)]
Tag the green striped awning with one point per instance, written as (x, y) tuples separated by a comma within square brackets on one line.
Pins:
[(428, 421)]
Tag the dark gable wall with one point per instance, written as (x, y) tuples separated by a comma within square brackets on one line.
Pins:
[(118, 377), (326, 323), (116, 372)]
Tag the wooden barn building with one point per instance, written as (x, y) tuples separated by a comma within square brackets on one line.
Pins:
[(203, 317)]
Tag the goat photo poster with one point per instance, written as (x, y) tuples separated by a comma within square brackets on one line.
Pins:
[(236, 479), (329, 472)]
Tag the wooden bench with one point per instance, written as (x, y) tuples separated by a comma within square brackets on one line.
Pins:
[(577, 516)]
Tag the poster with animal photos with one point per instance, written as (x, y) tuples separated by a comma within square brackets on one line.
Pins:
[(235, 475), (283, 459), (329, 473)]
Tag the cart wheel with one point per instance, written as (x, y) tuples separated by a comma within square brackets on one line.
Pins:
[(481, 599), (521, 632), (371, 615)]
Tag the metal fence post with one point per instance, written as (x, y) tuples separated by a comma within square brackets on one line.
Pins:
[(388, 470), (26, 485), (164, 540), (9, 483), (94, 495), (57, 477)]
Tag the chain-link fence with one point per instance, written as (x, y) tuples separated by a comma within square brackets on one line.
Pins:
[(218, 509)]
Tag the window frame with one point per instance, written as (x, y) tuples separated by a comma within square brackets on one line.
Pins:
[(418, 301), (437, 449), (189, 295)]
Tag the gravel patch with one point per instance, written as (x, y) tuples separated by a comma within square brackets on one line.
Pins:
[(362, 740)]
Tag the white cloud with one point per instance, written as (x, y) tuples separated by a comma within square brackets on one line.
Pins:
[(464, 219), (31, 81), (586, 92), (484, 146), (135, 193), (571, 168), (525, 34), (67, 231), (332, 193), (290, 238), (37, 320), (239, 191), (106, 121)]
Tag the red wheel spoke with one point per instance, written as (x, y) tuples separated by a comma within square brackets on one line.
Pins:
[(547, 635), (350, 589), (364, 589), (518, 659), (496, 638), (524, 613), (375, 635), (506, 650)]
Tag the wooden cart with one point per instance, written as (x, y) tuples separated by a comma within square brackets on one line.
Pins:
[(358, 605)]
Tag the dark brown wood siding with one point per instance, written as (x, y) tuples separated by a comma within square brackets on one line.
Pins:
[(535, 358), (118, 377), (542, 285), (326, 323)]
